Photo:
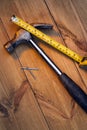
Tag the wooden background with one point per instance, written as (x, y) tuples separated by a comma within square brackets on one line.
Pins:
[(42, 103)]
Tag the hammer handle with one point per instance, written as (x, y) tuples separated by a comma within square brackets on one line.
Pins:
[(74, 90)]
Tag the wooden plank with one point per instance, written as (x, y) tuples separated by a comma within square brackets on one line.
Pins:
[(70, 26), (79, 9), (80, 13), (28, 115), (63, 15), (8, 83), (68, 19), (49, 91), (60, 111)]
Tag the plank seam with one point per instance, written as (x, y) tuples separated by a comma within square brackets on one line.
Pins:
[(78, 19)]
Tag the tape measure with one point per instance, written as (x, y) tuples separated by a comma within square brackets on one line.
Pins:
[(81, 60)]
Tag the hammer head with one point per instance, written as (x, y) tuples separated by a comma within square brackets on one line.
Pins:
[(20, 37), (23, 36)]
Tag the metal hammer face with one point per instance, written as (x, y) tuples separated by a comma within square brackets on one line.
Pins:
[(23, 36)]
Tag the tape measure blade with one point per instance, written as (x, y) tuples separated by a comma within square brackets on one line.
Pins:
[(47, 39)]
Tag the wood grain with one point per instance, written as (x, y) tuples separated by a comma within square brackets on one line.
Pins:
[(45, 104), (71, 26), (11, 78), (69, 17)]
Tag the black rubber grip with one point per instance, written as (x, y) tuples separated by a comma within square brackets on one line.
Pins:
[(75, 91)]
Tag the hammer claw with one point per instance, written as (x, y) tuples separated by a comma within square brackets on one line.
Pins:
[(22, 36)]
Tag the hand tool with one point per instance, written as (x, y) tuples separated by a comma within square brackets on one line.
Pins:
[(74, 90), (81, 60)]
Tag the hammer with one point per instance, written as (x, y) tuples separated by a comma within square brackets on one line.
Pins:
[(74, 90)]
